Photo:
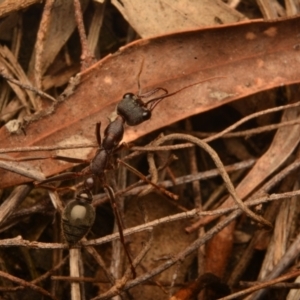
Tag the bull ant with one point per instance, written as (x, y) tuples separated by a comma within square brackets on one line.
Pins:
[(79, 215)]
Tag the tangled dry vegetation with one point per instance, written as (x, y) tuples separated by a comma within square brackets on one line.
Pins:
[(225, 146)]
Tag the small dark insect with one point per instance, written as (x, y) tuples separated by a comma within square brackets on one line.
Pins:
[(130, 110), (79, 215)]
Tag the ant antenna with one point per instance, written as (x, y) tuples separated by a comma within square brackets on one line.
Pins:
[(153, 102), (139, 75)]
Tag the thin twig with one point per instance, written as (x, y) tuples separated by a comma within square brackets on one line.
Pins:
[(262, 285), (26, 284), (26, 86), (18, 241), (247, 118), (221, 169)]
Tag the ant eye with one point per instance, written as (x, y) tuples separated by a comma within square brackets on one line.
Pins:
[(146, 115), (128, 95)]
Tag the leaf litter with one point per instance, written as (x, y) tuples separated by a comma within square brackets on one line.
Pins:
[(252, 57)]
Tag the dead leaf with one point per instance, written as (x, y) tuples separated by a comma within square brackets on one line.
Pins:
[(161, 17), (57, 35), (252, 56)]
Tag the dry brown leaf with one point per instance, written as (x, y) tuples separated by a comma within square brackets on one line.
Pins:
[(7, 7), (59, 32), (218, 251), (253, 56), (161, 17)]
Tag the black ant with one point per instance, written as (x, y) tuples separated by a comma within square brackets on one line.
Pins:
[(79, 214)]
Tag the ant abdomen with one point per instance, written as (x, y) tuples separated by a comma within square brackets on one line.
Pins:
[(133, 110), (78, 217)]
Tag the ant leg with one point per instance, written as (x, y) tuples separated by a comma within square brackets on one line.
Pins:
[(98, 133), (144, 178), (63, 176), (111, 197)]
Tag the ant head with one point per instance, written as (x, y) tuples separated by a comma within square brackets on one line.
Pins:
[(133, 110)]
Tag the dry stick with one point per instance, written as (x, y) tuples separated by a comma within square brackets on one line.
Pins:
[(75, 257), (22, 169), (40, 208), (267, 9), (48, 273), (40, 278), (153, 148), (40, 42), (222, 134), (264, 189), (26, 284), (288, 258), (286, 285), (25, 86), (221, 189), (261, 129), (10, 67), (111, 196), (239, 269), (173, 260), (77, 279), (262, 285), (86, 55), (118, 255), (19, 242), (95, 26), (14, 201), (144, 178), (191, 214), (92, 251), (222, 171), (116, 289), (133, 190), (157, 148), (245, 133), (195, 245), (153, 173), (91, 145), (252, 116), (197, 201)]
